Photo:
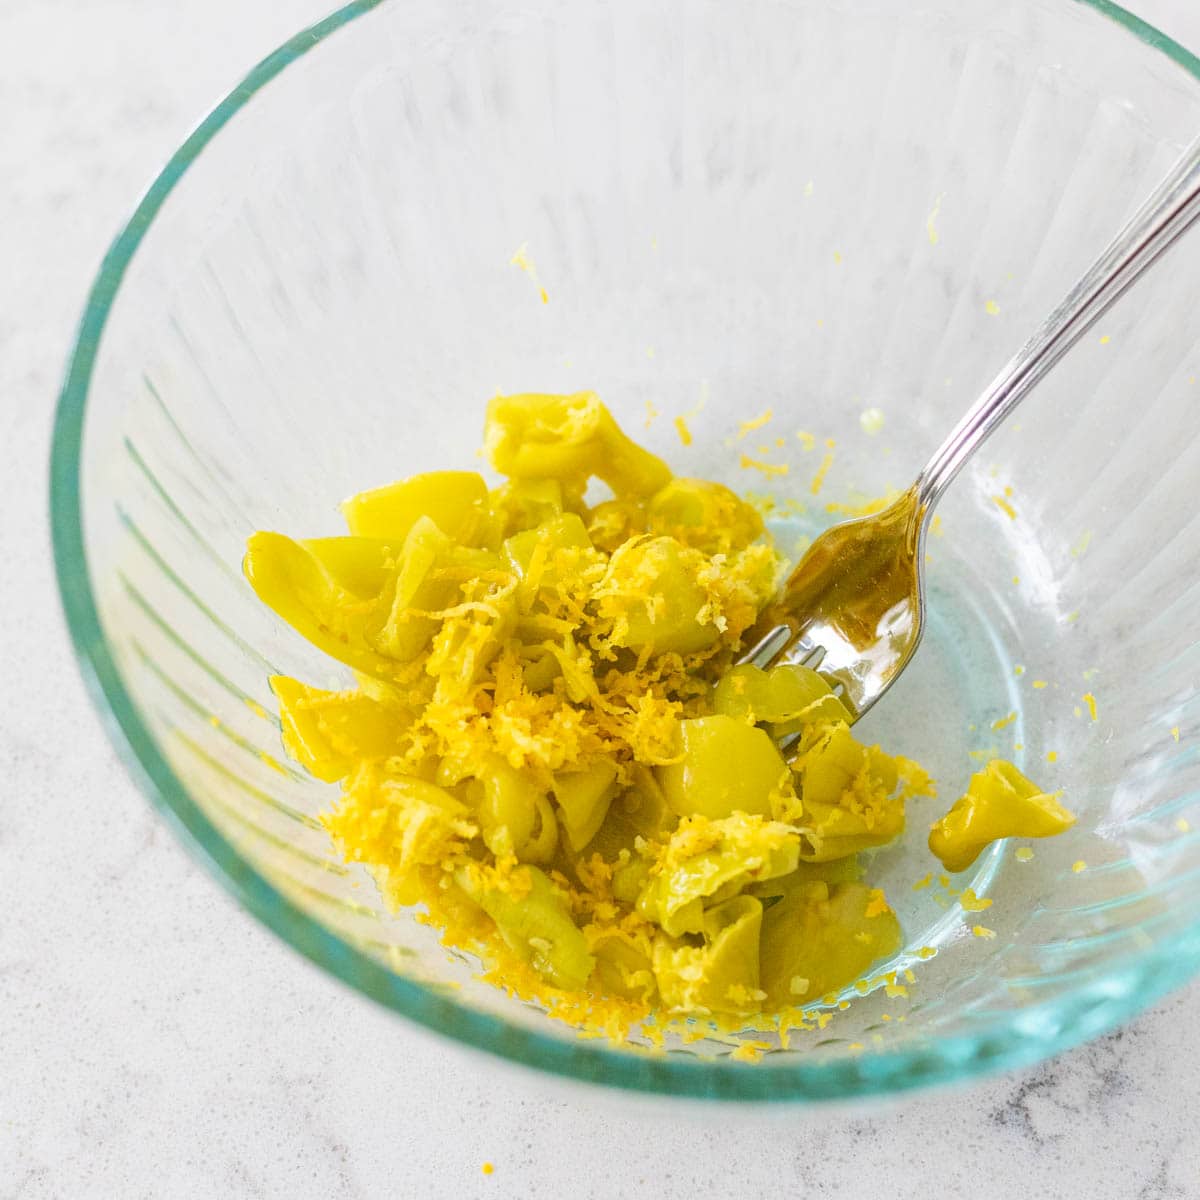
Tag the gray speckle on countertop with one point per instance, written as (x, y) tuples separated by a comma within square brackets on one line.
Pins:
[(155, 1041)]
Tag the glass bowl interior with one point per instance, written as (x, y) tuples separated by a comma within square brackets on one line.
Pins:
[(809, 209)]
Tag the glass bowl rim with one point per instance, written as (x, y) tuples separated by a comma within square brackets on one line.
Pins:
[(1008, 1043)]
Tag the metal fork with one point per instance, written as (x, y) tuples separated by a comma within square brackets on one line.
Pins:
[(854, 607)]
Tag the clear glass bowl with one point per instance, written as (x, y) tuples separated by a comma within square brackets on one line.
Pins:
[(816, 207)]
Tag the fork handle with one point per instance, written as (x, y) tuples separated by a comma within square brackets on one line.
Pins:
[(1169, 210)]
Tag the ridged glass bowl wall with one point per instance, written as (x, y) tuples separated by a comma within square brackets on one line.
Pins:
[(816, 208)]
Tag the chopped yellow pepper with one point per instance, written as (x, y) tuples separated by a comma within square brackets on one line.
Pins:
[(299, 584), (654, 596), (818, 938), (850, 794), (787, 697), (456, 501), (568, 438), (721, 975), (724, 767), (999, 803), (584, 797), (329, 732), (706, 516), (536, 924), (705, 861)]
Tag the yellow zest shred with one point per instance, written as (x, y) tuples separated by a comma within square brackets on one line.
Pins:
[(522, 261), (748, 427), (973, 903), (769, 470), (818, 480), (930, 221), (749, 1051)]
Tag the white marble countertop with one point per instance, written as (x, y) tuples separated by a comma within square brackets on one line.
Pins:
[(155, 1041)]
